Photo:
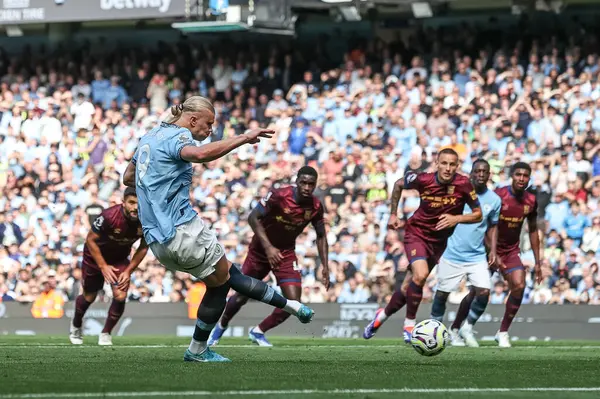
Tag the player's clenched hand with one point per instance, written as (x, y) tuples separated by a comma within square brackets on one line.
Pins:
[(255, 135), (109, 273), (274, 257), (446, 221), (491, 258), (123, 281), (325, 278), (538, 274), (393, 223)]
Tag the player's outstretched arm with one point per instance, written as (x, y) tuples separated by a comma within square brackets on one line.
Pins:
[(210, 152), (129, 175)]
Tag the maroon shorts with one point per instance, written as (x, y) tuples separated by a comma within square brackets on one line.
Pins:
[(257, 265), (509, 262), (93, 279), (417, 249)]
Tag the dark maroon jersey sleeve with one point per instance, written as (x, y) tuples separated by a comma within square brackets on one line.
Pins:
[(533, 215), (412, 181), (270, 201), (101, 225), (471, 197)]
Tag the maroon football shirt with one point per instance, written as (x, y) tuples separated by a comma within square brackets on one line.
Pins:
[(437, 199), (512, 214), (117, 235), (285, 219)]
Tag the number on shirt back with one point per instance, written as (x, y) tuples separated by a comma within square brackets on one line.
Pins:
[(143, 162)]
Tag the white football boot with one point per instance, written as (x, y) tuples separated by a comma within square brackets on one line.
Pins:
[(455, 338), (104, 339), (466, 333), (503, 339), (75, 335)]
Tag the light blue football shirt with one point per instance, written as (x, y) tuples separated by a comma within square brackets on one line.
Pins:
[(163, 181), (466, 245)]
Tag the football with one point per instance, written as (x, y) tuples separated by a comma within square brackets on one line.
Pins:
[(430, 337)]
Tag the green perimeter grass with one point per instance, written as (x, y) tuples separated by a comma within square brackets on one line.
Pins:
[(27, 366)]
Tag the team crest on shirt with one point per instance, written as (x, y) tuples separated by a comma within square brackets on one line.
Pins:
[(286, 210), (413, 252), (117, 231), (451, 190), (184, 138), (526, 209), (487, 208), (307, 215), (473, 195)]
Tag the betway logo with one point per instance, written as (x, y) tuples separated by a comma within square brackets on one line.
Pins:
[(162, 5), (359, 312)]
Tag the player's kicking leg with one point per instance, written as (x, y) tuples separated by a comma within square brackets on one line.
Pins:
[(516, 283), (251, 268), (218, 283), (396, 303)]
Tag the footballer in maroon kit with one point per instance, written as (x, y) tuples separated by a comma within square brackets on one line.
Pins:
[(517, 205), (277, 221), (106, 258), (443, 197)]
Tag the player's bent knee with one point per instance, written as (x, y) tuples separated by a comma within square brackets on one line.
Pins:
[(119, 295), (90, 296)]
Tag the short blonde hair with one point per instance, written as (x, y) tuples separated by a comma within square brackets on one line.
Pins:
[(192, 104)]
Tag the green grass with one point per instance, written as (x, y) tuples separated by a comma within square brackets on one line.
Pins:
[(47, 365)]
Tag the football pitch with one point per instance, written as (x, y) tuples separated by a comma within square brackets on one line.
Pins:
[(49, 367)]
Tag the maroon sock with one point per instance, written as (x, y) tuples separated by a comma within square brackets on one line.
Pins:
[(81, 306), (234, 304), (463, 310), (114, 314), (512, 307), (396, 303), (273, 320), (414, 294)]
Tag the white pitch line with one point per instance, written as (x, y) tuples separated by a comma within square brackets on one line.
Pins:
[(46, 395), (287, 347)]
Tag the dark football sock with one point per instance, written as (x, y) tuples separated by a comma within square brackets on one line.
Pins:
[(81, 306), (273, 320), (438, 308), (414, 294), (477, 308), (209, 311), (463, 310), (234, 304), (512, 307), (396, 303), (255, 289), (114, 315)]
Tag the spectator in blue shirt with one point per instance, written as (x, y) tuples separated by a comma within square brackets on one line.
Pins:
[(556, 212), (298, 135), (575, 223)]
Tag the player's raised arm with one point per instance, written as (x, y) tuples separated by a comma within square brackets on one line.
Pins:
[(129, 175), (258, 213), (107, 270), (218, 149)]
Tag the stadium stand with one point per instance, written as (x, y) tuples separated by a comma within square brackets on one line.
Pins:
[(71, 121)]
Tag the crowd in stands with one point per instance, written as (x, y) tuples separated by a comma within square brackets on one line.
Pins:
[(70, 121)]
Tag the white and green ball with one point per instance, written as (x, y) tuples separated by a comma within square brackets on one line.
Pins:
[(430, 337)]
